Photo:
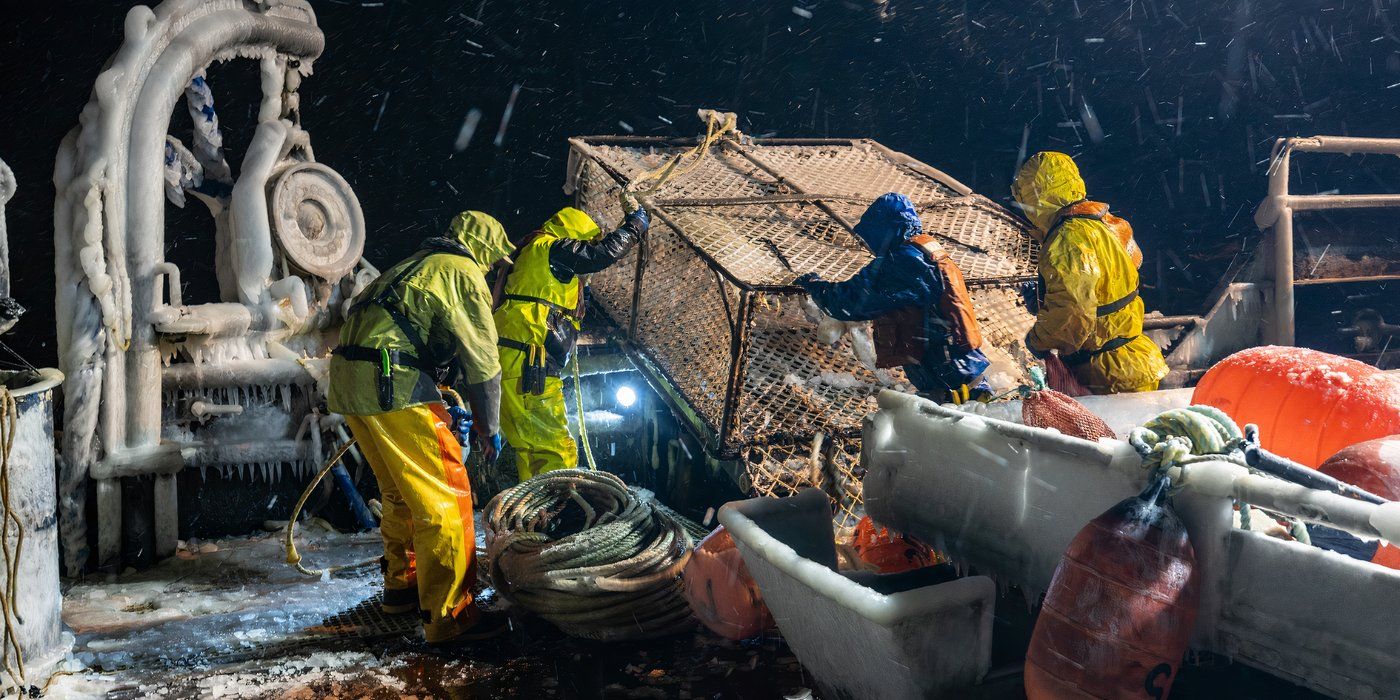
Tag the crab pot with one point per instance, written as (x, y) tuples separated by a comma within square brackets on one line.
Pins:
[(32, 542), (709, 311)]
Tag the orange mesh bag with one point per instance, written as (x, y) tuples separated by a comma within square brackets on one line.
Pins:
[(1059, 377), (720, 590), (1048, 408)]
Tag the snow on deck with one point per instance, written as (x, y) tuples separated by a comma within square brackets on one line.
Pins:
[(229, 619)]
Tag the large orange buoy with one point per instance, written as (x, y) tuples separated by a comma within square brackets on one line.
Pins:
[(1121, 608), (1307, 404), (720, 590), (889, 552), (1373, 465)]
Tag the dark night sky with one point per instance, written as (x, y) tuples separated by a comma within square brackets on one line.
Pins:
[(952, 83)]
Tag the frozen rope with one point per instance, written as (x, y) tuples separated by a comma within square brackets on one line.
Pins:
[(1183, 436), (582, 425), (717, 126), (596, 558)]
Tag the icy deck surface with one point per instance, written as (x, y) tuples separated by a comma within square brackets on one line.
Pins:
[(233, 621)]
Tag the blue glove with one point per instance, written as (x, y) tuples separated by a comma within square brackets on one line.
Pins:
[(806, 279), (490, 446), (461, 422), (638, 221)]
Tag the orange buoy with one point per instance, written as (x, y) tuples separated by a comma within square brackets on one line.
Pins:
[(1121, 608), (1307, 404), (888, 552), (720, 590), (1373, 465)]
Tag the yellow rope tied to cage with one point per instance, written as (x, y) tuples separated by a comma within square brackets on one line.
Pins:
[(717, 126), (13, 665)]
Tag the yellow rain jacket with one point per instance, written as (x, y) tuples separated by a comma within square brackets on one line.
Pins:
[(545, 278), (441, 294), (1090, 312)]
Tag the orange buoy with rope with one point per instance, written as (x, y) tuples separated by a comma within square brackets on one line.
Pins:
[(1120, 610), (1307, 404)]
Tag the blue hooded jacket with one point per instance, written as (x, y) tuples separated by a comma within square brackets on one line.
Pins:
[(899, 276)]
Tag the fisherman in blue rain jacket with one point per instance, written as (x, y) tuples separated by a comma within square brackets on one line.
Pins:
[(916, 296)]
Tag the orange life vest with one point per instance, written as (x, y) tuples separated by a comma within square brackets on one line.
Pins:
[(1086, 209), (900, 337)]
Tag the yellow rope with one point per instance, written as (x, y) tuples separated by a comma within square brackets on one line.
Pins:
[(717, 126), (582, 428), (293, 556), (9, 421)]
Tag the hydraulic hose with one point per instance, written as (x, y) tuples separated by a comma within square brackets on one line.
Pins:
[(293, 556)]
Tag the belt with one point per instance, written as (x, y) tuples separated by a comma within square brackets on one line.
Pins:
[(550, 370), (360, 353), (1118, 305), (1079, 358)]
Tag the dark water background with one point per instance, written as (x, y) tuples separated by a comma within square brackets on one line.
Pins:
[(956, 84)]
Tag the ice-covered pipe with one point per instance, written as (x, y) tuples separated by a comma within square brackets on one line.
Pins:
[(252, 230)]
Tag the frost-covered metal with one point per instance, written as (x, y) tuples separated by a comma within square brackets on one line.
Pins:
[(288, 235), (709, 305)]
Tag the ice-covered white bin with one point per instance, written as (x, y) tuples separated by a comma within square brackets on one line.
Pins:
[(30, 471), (862, 636)]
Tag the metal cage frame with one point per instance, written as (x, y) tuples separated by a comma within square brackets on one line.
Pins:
[(750, 272)]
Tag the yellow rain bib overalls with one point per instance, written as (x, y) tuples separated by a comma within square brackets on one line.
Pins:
[(540, 312)]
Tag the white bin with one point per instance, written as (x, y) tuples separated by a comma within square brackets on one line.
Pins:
[(862, 636)]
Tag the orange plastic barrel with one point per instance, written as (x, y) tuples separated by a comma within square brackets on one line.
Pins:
[(1121, 608), (1308, 404), (720, 590)]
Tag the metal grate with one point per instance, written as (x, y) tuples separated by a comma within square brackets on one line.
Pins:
[(708, 298)]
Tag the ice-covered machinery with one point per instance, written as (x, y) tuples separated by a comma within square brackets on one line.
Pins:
[(708, 304), (154, 384)]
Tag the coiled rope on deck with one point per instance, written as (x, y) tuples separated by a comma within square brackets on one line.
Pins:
[(596, 558)]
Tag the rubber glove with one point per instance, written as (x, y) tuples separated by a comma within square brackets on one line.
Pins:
[(638, 221), (461, 422), (489, 445)]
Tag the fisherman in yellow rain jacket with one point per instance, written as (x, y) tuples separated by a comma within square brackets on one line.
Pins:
[(1090, 312), (538, 321), (429, 312)]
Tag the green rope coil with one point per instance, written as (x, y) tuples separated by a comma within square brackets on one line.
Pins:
[(597, 559)]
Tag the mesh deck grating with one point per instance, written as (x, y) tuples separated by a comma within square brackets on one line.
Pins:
[(708, 299)]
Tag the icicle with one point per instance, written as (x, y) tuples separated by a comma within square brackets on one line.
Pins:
[(203, 473)]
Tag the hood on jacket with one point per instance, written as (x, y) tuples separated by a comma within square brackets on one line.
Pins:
[(481, 235), (890, 220), (1046, 183), (571, 223)]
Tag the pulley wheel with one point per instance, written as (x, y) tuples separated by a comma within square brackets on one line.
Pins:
[(317, 220)]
